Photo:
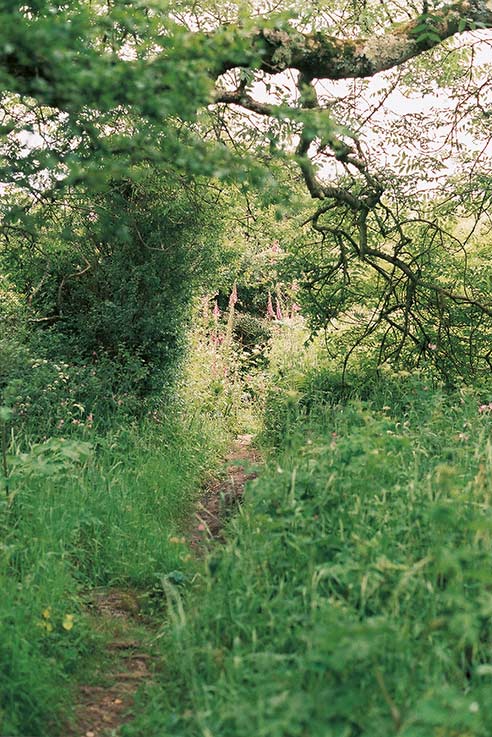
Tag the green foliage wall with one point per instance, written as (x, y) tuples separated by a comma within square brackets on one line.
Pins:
[(112, 275), (97, 299), (151, 243)]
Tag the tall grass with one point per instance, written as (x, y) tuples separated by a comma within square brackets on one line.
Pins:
[(97, 500), (354, 594), (113, 517)]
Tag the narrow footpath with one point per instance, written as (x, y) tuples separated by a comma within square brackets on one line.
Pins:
[(128, 661)]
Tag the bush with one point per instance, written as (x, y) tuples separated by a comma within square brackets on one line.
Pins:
[(251, 332), (114, 282), (50, 396)]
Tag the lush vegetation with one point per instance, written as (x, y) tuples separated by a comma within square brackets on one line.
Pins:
[(76, 523), (352, 596), (217, 221)]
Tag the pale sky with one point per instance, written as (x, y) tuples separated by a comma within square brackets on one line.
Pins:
[(399, 106)]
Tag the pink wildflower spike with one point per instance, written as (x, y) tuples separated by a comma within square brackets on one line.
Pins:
[(270, 311), (278, 311), (216, 311), (276, 246), (294, 309), (233, 297)]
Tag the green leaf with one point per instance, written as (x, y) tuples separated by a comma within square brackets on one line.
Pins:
[(6, 414)]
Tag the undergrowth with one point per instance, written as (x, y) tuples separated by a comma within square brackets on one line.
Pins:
[(91, 498), (115, 516), (354, 594), (352, 597)]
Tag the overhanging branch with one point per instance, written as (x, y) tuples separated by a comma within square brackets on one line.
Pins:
[(322, 56), (109, 80)]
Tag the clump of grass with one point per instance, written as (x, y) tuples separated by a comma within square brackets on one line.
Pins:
[(113, 515), (353, 595)]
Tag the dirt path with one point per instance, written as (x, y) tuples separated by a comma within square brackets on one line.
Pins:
[(105, 706), (223, 495)]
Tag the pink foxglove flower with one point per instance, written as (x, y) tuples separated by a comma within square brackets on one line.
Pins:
[(216, 311), (233, 297), (270, 313), (278, 310), (485, 408)]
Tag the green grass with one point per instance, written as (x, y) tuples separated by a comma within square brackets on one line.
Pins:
[(354, 596), (103, 520)]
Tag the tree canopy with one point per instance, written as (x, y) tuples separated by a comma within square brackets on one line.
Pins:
[(278, 97)]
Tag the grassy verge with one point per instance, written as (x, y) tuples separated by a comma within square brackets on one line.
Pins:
[(78, 517), (96, 500), (354, 595)]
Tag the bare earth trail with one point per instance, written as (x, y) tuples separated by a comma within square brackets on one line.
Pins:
[(223, 495), (104, 707)]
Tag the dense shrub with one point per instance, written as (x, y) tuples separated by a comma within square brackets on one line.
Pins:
[(98, 306), (114, 279), (50, 396), (250, 331)]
